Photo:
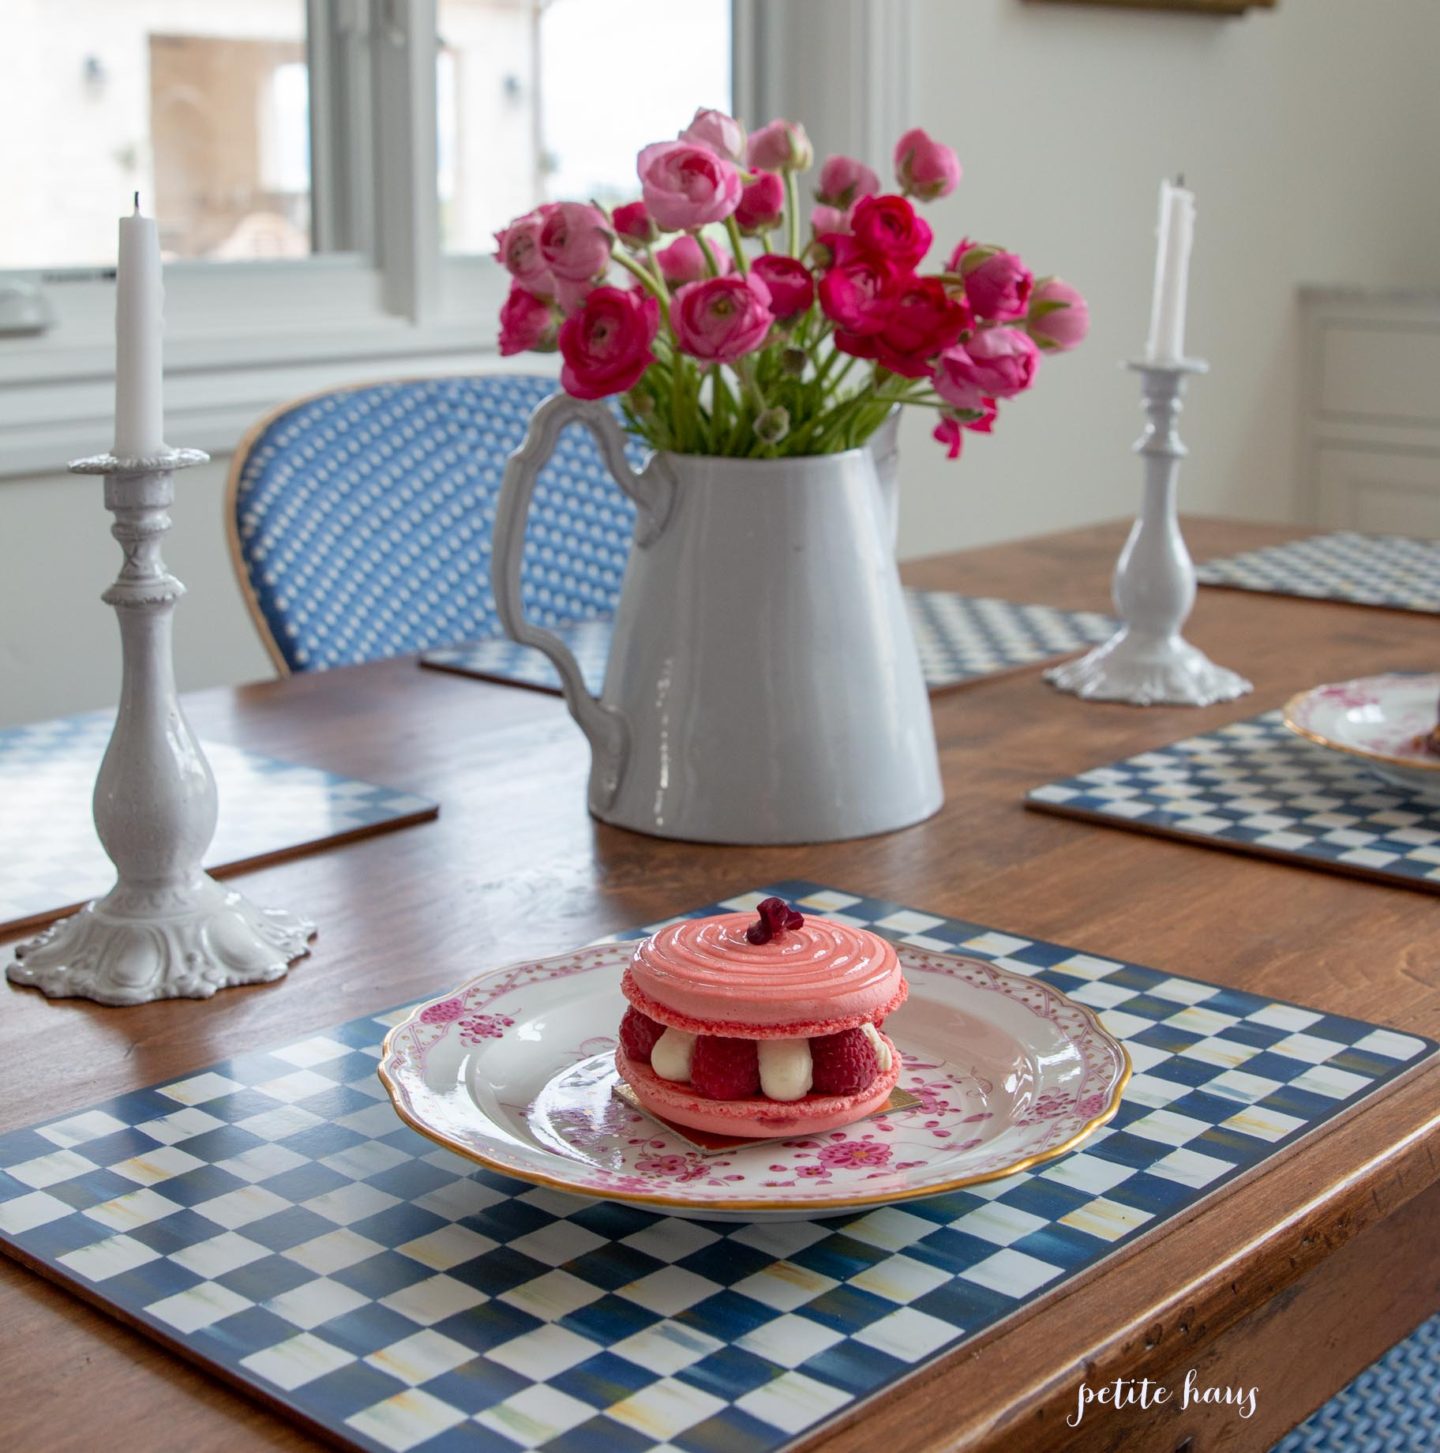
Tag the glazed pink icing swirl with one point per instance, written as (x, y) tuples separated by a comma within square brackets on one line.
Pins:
[(707, 969)]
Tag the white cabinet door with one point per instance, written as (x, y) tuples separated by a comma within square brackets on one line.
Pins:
[(1379, 491)]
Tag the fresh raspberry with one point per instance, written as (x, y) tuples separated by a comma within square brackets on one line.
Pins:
[(842, 1064), (638, 1033), (725, 1068), (776, 916)]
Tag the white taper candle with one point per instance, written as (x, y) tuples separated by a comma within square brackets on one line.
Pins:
[(139, 300), (1172, 274)]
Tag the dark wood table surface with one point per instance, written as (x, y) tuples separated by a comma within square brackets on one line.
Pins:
[(1291, 1282)]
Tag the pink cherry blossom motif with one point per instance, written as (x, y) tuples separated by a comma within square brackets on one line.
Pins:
[(855, 1154), (484, 1026), (661, 1165), (443, 1012)]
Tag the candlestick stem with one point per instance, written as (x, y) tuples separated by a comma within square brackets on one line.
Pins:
[(1147, 661), (166, 929)]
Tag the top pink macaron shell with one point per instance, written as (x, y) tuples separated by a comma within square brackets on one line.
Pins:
[(704, 976)]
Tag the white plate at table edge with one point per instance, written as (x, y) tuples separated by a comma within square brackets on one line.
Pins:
[(1309, 714), (450, 1114)]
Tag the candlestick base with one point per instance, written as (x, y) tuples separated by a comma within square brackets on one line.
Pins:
[(1146, 671), (136, 945)]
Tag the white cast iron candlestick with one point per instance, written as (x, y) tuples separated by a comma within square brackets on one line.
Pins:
[(1147, 661), (166, 930)]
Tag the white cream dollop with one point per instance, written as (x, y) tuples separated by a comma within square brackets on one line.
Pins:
[(786, 1072), (670, 1058), (882, 1050)]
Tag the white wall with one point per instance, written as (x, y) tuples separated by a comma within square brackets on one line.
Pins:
[(1311, 135)]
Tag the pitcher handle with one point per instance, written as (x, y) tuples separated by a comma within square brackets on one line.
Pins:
[(653, 491)]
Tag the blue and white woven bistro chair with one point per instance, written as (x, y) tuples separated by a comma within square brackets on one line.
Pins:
[(360, 519)]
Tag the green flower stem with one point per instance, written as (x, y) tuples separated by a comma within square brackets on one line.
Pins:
[(657, 272), (737, 245), (792, 213), (652, 284), (709, 254), (765, 242)]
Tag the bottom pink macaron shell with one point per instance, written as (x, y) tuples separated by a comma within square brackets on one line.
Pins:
[(756, 1118)]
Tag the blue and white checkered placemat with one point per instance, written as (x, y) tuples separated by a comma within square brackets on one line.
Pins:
[(1256, 787), (960, 638), (271, 1218), (50, 858), (1388, 570)]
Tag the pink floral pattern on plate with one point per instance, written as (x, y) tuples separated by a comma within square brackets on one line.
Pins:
[(1032, 1072), (1381, 718)]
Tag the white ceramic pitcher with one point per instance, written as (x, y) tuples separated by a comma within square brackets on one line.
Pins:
[(763, 684)]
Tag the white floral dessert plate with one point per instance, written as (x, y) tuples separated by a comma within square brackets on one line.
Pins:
[(516, 1071), (1382, 720)]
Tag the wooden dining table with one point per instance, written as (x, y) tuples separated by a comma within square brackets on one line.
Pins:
[(1291, 1281)]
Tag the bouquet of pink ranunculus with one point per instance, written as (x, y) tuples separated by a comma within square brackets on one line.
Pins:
[(724, 343)]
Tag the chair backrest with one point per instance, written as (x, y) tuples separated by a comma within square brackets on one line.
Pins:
[(360, 520)]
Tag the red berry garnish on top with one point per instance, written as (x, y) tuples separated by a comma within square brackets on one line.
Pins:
[(776, 915), (724, 1068), (842, 1064), (638, 1033)]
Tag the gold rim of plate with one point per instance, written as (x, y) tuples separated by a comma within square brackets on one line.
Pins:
[(1321, 740)]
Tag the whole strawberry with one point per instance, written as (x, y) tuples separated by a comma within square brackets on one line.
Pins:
[(724, 1068), (842, 1064), (638, 1033)]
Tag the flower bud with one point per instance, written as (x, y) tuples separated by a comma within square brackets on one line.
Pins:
[(773, 424)]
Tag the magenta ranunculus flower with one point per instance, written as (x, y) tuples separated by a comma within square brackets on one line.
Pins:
[(722, 318), (924, 320), (843, 181), (1059, 315), (517, 250), (762, 204), (792, 287), (859, 295), (722, 134), (997, 283), (634, 225), (571, 293), (925, 168), (950, 430), (687, 186), (782, 146), (999, 362), (527, 323), (575, 241), (684, 261), (889, 227), (606, 345)]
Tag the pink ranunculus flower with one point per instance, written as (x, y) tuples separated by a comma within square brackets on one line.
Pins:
[(925, 168), (998, 362), (762, 204), (858, 296), (517, 250), (722, 318), (889, 227), (527, 323), (575, 241), (950, 431), (843, 181), (782, 146), (634, 225), (687, 186), (997, 283), (607, 344), (684, 262), (829, 221), (720, 133), (1059, 315), (792, 288), (571, 293)]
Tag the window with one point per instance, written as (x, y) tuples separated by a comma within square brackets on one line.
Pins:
[(202, 108), (540, 100)]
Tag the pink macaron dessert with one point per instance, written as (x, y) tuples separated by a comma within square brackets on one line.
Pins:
[(763, 1026)]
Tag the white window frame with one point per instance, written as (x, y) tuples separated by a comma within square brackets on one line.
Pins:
[(242, 337)]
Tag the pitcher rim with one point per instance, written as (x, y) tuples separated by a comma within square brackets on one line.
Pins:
[(790, 460)]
